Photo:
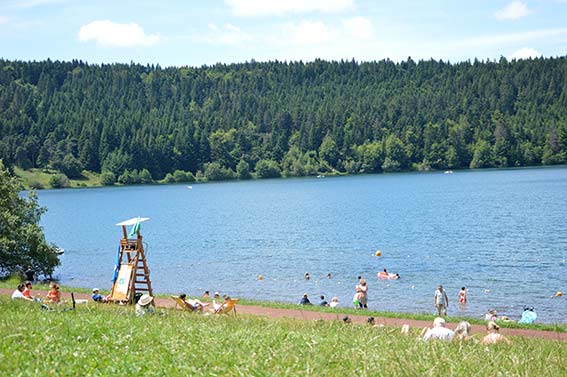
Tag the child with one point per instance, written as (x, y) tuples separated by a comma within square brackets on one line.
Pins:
[(463, 296), (53, 296), (356, 298)]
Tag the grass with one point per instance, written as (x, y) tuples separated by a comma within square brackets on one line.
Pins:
[(110, 340), (12, 282), (34, 177)]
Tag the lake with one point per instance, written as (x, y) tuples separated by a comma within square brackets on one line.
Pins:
[(500, 233)]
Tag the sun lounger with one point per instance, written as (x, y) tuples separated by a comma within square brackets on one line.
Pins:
[(184, 305), (227, 307)]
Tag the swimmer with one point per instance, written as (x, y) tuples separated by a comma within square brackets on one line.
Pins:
[(463, 296), (260, 277), (307, 277), (329, 275)]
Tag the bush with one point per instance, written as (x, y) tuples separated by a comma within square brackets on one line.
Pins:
[(59, 181), (107, 178), (268, 169), (215, 172), (180, 176), (169, 178), (243, 170), (146, 176)]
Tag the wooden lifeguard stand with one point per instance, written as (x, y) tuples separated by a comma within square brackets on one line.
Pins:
[(133, 274)]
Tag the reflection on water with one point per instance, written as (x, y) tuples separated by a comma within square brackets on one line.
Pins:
[(499, 233)]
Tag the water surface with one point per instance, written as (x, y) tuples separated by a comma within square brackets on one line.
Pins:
[(500, 233)]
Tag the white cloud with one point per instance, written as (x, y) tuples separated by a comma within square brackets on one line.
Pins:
[(512, 11), (228, 35), (358, 27), (280, 7), (525, 53), (111, 34), (3, 20)]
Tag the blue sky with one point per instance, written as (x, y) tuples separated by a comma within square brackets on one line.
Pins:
[(193, 33)]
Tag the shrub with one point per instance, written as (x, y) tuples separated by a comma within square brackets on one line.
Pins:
[(59, 181), (267, 169), (107, 178)]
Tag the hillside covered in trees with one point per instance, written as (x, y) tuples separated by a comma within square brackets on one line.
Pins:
[(141, 123)]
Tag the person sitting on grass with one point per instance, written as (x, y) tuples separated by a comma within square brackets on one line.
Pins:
[(143, 306), (439, 331), (463, 331), (27, 290), (493, 335), (323, 301), (334, 302), (19, 293), (53, 296), (196, 304), (96, 296), (305, 300)]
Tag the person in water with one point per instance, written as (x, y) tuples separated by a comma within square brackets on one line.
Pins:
[(463, 296), (441, 301)]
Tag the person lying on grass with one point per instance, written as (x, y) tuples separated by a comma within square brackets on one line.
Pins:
[(96, 296), (196, 304)]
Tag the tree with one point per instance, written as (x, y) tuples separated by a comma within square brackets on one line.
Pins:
[(22, 242), (243, 170), (107, 178), (328, 151), (267, 169)]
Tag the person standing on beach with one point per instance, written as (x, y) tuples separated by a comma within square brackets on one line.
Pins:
[(441, 301), (29, 274)]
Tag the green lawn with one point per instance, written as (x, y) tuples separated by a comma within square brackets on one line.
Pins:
[(34, 177), (12, 283), (110, 340)]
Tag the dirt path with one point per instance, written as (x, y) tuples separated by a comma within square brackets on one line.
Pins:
[(312, 315)]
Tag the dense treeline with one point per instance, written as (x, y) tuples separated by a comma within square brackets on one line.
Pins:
[(139, 123)]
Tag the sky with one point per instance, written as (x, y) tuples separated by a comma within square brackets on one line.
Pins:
[(205, 32)]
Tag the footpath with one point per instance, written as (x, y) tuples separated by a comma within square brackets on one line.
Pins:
[(309, 315)]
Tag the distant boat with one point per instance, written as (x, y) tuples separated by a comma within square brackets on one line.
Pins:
[(320, 176), (59, 251), (448, 172), (189, 187)]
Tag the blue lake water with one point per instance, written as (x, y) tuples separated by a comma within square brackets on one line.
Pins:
[(500, 233)]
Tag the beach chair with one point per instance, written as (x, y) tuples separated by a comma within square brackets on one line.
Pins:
[(227, 307), (184, 305)]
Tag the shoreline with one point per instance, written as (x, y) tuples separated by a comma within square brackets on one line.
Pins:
[(312, 315)]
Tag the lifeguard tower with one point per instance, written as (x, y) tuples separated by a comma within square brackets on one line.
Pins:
[(131, 273)]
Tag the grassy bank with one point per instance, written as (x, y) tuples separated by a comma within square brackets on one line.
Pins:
[(12, 282), (40, 178), (108, 339)]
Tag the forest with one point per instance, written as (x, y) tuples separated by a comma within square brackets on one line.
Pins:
[(142, 123)]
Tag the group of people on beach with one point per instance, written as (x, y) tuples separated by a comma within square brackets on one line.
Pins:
[(462, 332), (23, 291)]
